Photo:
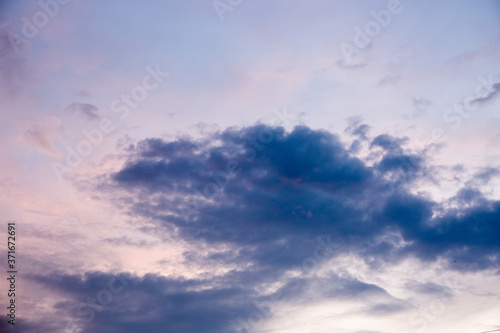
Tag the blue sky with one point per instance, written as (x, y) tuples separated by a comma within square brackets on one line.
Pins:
[(252, 166)]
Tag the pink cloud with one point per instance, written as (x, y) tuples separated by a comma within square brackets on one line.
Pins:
[(41, 134)]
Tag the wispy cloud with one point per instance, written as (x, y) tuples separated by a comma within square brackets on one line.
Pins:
[(41, 134), (85, 110)]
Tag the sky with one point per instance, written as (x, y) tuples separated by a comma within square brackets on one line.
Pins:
[(237, 166)]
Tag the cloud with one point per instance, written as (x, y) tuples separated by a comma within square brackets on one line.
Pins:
[(428, 288), (388, 143), (261, 200), (420, 106), (487, 174), (290, 188), (42, 133), (389, 79), (493, 91), (88, 111), (150, 303), (155, 303), (356, 128), (82, 93)]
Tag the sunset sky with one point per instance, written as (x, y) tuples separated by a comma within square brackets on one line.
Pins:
[(248, 166)]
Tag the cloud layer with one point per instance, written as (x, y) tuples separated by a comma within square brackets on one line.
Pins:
[(268, 203)]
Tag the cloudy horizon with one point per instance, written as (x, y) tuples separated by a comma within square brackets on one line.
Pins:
[(237, 166)]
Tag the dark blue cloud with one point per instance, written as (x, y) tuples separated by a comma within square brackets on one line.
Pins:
[(388, 143), (270, 197), (148, 304), (154, 303), (486, 174), (266, 191)]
